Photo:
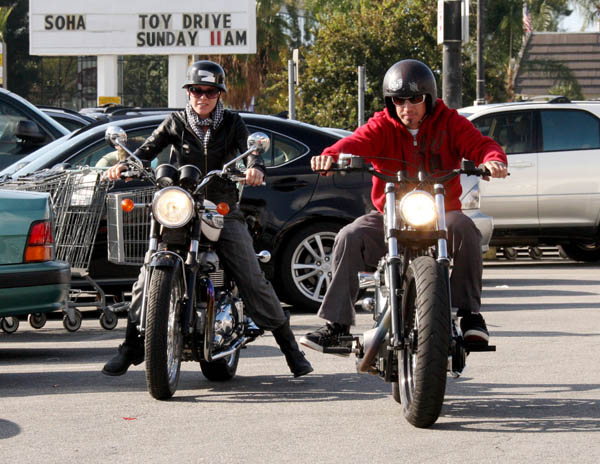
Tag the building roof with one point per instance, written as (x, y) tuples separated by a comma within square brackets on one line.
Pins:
[(579, 51)]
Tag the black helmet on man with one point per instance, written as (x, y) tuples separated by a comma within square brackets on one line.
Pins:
[(206, 73), (409, 78)]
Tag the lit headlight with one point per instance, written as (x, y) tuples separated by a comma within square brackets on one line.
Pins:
[(417, 208), (173, 207)]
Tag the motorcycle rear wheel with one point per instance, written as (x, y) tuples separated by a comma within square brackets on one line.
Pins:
[(164, 336), (221, 370), (422, 365)]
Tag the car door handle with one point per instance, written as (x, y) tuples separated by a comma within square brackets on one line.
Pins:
[(520, 164), (289, 184)]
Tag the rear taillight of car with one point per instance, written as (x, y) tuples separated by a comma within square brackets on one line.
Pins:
[(40, 243)]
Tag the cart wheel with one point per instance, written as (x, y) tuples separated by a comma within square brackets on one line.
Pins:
[(510, 253), (9, 324), (37, 320), (535, 253), (72, 326), (108, 320)]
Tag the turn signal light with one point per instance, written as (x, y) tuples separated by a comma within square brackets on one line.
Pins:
[(127, 205), (223, 208)]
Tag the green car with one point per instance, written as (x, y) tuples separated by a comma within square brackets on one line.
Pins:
[(31, 281)]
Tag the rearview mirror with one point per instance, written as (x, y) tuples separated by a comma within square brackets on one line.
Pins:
[(115, 136), (259, 141)]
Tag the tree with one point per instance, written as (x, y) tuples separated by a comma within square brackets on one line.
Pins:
[(247, 75), (372, 33)]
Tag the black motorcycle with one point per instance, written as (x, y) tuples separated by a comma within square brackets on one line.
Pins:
[(416, 339), (191, 310)]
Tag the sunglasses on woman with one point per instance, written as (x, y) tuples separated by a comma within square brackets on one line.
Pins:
[(401, 101), (199, 91)]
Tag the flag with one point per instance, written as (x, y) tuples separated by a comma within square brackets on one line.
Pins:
[(526, 20)]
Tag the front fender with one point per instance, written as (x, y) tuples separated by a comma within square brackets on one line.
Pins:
[(165, 259)]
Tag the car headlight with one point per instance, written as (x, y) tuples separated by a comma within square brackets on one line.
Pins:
[(173, 207), (417, 208)]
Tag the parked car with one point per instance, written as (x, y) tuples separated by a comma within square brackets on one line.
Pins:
[(23, 128), (552, 196), (31, 281), (70, 119), (295, 216)]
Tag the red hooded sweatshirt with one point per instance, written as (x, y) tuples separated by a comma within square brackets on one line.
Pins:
[(444, 138)]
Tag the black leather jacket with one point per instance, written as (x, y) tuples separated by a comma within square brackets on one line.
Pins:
[(228, 141)]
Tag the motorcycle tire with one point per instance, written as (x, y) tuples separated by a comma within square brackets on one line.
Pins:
[(221, 370), (422, 365), (164, 333)]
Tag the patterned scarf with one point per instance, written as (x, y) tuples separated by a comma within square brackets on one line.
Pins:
[(212, 122)]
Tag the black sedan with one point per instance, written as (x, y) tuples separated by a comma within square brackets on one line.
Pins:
[(295, 216)]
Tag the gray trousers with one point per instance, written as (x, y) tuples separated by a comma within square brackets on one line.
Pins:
[(359, 246), (238, 258)]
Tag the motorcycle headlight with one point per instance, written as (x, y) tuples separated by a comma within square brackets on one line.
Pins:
[(173, 207), (417, 208)]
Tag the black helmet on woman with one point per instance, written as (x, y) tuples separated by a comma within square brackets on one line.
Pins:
[(409, 78), (206, 73)]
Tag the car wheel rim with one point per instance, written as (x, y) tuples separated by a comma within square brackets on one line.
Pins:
[(311, 265)]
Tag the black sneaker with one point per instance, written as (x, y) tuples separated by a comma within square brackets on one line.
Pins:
[(474, 329), (327, 339)]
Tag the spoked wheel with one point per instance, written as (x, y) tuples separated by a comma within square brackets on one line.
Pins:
[(9, 324), (422, 364), (221, 370), (164, 337), (37, 320)]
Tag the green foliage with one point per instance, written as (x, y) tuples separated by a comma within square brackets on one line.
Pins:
[(375, 34)]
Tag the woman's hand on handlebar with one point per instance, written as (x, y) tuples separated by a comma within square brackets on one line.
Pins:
[(497, 169), (322, 163), (254, 177), (114, 172)]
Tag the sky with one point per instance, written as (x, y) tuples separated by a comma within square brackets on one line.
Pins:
[(573, 23)]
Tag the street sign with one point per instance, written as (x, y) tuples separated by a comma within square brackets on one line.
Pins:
[(142, 27)]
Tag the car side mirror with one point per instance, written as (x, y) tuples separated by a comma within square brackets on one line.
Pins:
[(30, 132)]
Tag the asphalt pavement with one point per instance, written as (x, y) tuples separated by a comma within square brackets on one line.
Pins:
[(536, 399)]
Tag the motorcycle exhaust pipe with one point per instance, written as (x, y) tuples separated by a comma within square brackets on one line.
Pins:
[(373, 340), (239, 344)]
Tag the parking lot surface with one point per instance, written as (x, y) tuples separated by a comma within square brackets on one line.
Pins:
[(536, 399)]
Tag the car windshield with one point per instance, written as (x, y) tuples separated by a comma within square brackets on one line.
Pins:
[(34, 160)]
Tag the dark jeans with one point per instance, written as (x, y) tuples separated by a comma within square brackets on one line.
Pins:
[(238, 258), (360, 245)]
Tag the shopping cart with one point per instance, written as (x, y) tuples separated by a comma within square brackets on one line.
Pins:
[(128, 233), (78, 199)]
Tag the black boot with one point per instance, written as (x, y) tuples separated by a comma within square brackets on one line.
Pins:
[(295, 359), (130, 352)]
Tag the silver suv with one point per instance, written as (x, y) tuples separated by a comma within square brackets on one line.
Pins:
[(552, 195)]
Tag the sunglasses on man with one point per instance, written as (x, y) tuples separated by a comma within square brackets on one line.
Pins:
[(401, 101), (199, 91)]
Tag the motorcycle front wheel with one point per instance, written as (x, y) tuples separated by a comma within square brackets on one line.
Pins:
[(164, 336), (423, 363)]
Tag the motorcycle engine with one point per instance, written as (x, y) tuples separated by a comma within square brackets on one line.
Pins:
[(228, 315)]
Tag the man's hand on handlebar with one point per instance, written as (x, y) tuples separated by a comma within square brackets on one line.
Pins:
[(322, 163), (497, 169)]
